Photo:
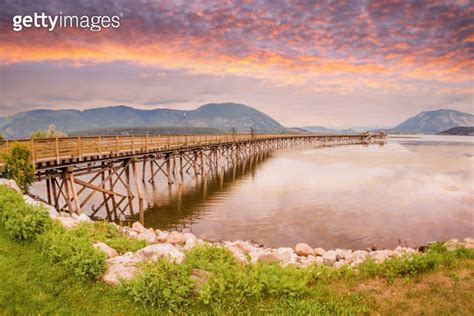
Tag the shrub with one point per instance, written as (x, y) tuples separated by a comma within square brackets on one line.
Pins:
[(21, 220), (163, 284), (9, 199), (26, 221), (73, 249), (19, 165)]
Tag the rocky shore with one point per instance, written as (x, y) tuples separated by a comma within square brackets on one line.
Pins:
[(173, 245)]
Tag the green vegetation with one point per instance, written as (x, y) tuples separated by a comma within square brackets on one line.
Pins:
[(50, 133), (18, 164), (73, 249), (210, 280), (108, 233), (23, 221)]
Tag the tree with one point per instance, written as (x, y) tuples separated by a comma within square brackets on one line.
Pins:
[(2, 137), (50, 133), (19, 166)]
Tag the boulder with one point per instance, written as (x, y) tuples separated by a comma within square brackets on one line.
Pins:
[(339, 264), (67, 222), (138, 227), (243, 246), (11, 184), (360, 255), (238, 254), (29, 200), (303, 249), (129, 232), (469, 243), (286, 255), (148, 235), (84, 218), (330, 257), (191, 240), (156, 251), (269, 258), (121, 268), (109, 251), (176, 238), (53, 213), (161, 236), (319, 251)]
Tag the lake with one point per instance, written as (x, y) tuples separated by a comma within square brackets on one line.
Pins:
[(411, 190)]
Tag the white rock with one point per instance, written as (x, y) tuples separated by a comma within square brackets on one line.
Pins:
[(121, 267), (29, 200), (53, 213), (191, 241), (268, 257), (303, 249), (11, 184), (161, 236), (176, 238), (319, 251), (360, 255), (129, 232), (109, 251), (286, 255), (469, 243), (74, 215), (138, 227), (238, 254), (339, 264), (67, 222), (330, 257), (84, 218), (148, 235), (156, 251)]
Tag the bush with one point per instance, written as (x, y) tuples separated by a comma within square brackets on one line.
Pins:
[(22, 221), (163, 284), (19, 166), (73, 249)]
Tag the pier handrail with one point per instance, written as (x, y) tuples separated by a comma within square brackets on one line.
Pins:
[(79, 147)]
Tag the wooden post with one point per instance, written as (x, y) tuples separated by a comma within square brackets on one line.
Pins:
[(168, 168), (74, 193), (48, 187), (56, 144), (66, 187), (135, 177)]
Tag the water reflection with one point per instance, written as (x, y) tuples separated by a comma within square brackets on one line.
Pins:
[(415, 190)]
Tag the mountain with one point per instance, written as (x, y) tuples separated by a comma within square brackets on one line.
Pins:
[(459, 130), (324, 130), (432, 122), (223, 116)]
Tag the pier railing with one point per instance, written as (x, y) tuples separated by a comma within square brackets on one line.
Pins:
[(60, 148)]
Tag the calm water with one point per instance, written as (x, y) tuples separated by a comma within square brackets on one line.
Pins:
[(413, 189)]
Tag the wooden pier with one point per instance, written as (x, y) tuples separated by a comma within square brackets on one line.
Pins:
[(114, 168)]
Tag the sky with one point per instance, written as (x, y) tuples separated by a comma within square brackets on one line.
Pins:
[(331, 63)]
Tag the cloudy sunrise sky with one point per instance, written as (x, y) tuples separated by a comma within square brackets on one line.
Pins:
[(330, 63)]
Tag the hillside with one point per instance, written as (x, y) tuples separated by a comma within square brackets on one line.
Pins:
[(325, 130), (433, 122), (222, 116), (459, 130)]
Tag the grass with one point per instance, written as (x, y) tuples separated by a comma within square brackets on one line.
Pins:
[(32, 285), (54, 273)]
